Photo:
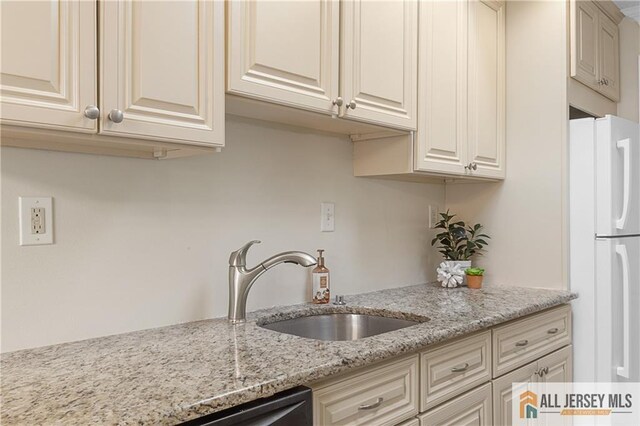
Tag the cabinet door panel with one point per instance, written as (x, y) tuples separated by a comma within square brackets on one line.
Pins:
[(471, 409), (502, 395), (379, 60), (584, 42), (48, 66), (608, 57), (557, 366), (285, 52), (487, 87), (441, 138), (162, 65)]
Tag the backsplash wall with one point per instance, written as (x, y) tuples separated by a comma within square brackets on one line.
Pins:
[(142, 244)]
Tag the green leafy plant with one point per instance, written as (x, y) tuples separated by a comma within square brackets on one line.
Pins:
[(458, 241), (474, 271)]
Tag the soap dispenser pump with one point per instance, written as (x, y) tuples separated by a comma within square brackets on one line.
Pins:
[(320, 281)]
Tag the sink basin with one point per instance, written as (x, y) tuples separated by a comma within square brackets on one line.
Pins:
[(339, 326)]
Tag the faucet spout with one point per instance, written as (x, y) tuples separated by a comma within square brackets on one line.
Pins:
[(241, 279), (295, 257)]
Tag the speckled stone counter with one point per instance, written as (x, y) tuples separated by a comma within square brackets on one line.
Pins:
[(172, 374)]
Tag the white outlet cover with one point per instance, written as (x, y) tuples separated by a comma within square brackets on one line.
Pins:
[(327, 217), (27, 237)]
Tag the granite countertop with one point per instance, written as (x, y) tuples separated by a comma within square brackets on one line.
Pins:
[(172, 374)]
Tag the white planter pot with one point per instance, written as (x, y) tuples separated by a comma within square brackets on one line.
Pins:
[(465, 264)]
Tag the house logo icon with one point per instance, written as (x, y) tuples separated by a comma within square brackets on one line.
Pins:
[(528, 405)]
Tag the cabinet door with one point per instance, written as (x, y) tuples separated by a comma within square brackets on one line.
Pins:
[(584, 42), (285, 52), (162, 66), (608, 58), (472, 408), (486, 88), (379, 54), (557, 366), (502, 395), (48, 68), (441, 140)]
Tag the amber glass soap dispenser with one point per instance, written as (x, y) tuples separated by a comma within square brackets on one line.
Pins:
[(320, 280)]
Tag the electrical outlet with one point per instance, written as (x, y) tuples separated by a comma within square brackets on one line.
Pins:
[(36, 220), (327, 217), (434, 216)]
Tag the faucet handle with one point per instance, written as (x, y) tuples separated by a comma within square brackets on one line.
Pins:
[(239, 257)]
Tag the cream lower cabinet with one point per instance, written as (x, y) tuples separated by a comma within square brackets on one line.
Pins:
[(352, 59), (461, 116), (159, 83), (472, 408), (450, 383), (555, 367), (382, 395)]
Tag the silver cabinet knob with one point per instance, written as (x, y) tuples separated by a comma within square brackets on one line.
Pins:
[(471, 166), (92, 112), (338, 101), (116, 116), (352, 105)]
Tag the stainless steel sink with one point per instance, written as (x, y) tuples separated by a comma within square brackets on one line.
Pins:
[(341, 326)]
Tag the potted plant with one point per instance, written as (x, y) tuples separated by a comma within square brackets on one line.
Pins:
[(458, 242), (474, 277)]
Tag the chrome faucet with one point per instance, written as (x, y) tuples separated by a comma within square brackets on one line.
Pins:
[(241, 279)]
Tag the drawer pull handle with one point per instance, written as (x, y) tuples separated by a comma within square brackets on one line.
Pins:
[(552, 331), (371, 406), (461, 368), (522, 343)]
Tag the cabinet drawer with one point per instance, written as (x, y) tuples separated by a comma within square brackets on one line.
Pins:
[(472, 408), (519, 342), (383, 395), (453, 368)]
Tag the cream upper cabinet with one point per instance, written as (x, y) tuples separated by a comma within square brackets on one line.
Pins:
[(595, 57), (462, 75), (379, 56), (609, 57), (441, 140), (356, 59), (48, 66), (486, 89), (158, 91), (584, 41), (461, 107), (285, 52), (161, 68)]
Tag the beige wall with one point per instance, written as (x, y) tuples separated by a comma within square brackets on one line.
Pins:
[(141, 244), (629, 51), (525, 213)]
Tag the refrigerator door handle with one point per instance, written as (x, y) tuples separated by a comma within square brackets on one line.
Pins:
[(621, 250), (624, 145)]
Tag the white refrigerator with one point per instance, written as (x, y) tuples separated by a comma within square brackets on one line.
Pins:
[(604, 248)]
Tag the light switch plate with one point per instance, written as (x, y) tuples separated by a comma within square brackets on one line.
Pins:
[(36, 220), (327, 217)]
